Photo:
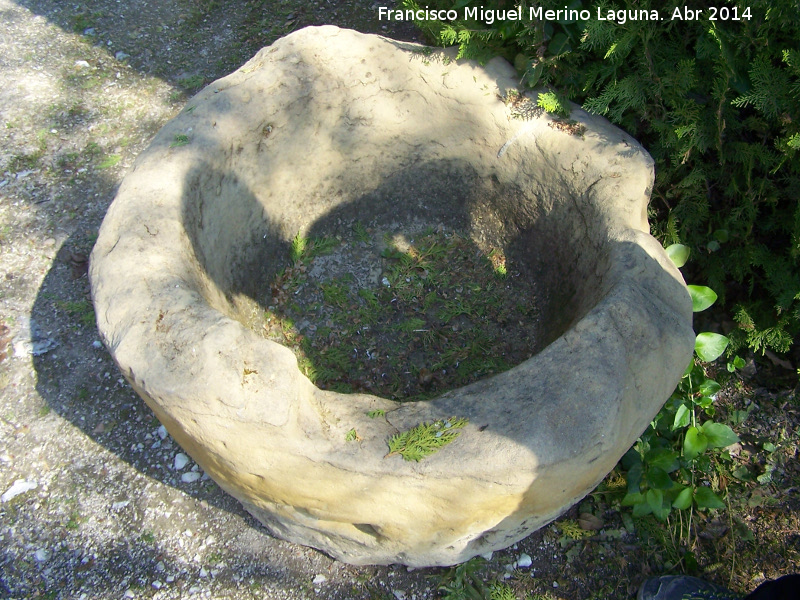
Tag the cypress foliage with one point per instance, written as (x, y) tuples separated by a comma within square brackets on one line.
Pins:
[(716, 103)]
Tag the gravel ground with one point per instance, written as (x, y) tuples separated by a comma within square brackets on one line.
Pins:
[(97, 501)]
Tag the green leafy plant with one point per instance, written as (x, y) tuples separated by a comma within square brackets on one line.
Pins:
[(303, 249), (463, 582), (109, 161), (466, 582), (179, 140), (298, 247), (665, 468), (425, 439), (716, 102), (554, 103)]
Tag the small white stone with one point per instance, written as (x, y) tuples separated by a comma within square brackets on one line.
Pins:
[(129, 594), (41, 555), (399, 594), (20, 486), (162, 432), (157, 584), (524, 561), (203, 573), (181, 460), (120, 505), (190, 477), (319, 579), (487, 555), (97, 344)]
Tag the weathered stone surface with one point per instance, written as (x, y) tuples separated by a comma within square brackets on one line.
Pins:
[(326, 126)]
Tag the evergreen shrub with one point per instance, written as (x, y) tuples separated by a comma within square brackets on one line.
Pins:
[(717, 105)]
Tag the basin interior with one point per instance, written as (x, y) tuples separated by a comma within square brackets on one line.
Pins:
[(241, 233)]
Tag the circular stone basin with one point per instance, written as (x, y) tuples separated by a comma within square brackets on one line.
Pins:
[(329, 127)]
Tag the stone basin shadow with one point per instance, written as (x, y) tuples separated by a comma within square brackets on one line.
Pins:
[(428, 195)]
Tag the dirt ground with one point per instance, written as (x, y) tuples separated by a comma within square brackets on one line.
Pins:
[(98, 502)]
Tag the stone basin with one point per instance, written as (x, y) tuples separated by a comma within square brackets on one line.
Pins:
[(326, 127)]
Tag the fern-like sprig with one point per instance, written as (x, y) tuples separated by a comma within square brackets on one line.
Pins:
[(425, 439)]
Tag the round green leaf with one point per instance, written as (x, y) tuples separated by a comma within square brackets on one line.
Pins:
[(633, 499), (683, 417), (535, 74), (655, 500), (718, 434), (664, 459), (704, 401), (558, 45), (705, 498), (678, 254), (641, 510), (710, 346), (684, 499), (658, 504), (702, 297), (634, 476), (736, 363), (709, 387), (658, 479), (742, 473), (695, 443)]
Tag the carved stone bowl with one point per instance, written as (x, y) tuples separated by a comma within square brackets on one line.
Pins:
[(329, 126)]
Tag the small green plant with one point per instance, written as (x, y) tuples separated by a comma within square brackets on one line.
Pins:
[(111, 160), (303, 249), (666, 468), (334, 293), (148, 537), (179, 140), (74, 521), (425, 439), (463, 582), (501, 591), (82, 310), (298, 247), (554, 103), (360, 232), (352, 436), (83, 21), (192, 82), (572, 530)]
